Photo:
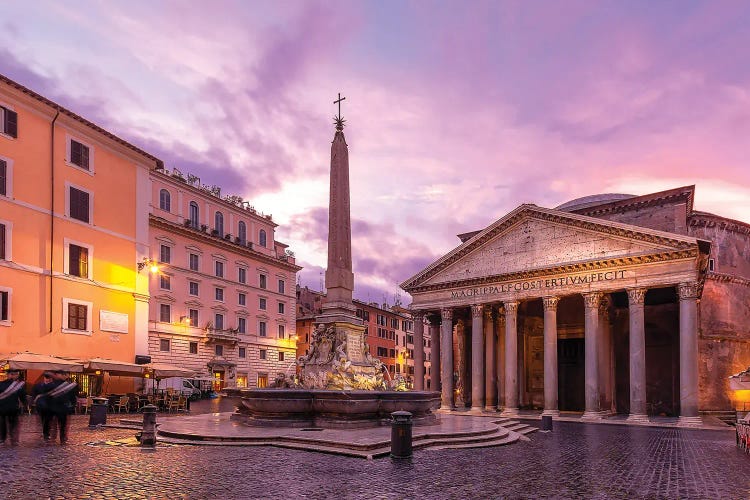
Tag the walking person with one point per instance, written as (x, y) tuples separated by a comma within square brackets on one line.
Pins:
[(62, 401), (41, 402), (12, 399)]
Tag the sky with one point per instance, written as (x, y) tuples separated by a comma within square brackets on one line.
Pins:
[(457, 112)]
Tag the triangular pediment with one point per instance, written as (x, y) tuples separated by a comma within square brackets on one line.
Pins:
[(532, 238)]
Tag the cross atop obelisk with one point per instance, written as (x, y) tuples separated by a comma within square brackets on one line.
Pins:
[(339, 120)]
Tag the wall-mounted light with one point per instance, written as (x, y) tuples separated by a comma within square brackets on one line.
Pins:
[(150, 263), (98, 372), (185, 320)]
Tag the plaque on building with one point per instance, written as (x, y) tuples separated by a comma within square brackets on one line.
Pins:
[(110, 321)]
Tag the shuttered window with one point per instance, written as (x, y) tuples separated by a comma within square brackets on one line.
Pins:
[(3, 177), (79, 205), (78, 261), (77, 316), (2, 242), (9, 122), (79, 154), (4, 313)]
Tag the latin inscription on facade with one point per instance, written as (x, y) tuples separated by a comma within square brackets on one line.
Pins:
[(110, 321), (545, 284)]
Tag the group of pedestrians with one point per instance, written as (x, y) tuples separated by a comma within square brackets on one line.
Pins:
[(54, 398)]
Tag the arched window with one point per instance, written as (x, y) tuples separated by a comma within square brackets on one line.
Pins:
[(242, 233), (219, 224), (165, 201), (194, 214), (262, 237)]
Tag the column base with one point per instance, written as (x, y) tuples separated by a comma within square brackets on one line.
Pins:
[(593, 416), (689, 421), (509, 412), (476, 410), (490, 408), (551, 413), (637, 418), (446, 408)]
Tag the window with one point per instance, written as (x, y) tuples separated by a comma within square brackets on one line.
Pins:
[(394, 322), (193, 347), (262, 304), (281, 286), (165, 313), (193, 315), (77, 314), (241, 325), (79, 206), (9, 122), (194, 215), (219, 350), (219, 294), (281, 356), (242, 233), (164, 345), (165, 282), (366, 315), (281, 308), (242, 275), (382, 352), (242, 352), (711, 265), (262, 238), (219, 269), (5, 307), (3, 178), (193, 261), (262, 329), (242, 299), (78, 261), (263, 353), (262, 380), (165, 254), (193, 288), (262, 279), (79, 154), (381, 320), (165, 200), (282, 331), (219, 224), (219, 321), (392, 353)]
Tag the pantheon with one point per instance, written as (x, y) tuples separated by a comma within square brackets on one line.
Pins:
[(608, 304)]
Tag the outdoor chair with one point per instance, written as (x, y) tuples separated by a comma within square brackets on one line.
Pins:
[(174, 403), (86, 405), (182, 404), (122, 404)]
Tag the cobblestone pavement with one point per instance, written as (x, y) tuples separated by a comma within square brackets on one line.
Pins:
[(574, 461)]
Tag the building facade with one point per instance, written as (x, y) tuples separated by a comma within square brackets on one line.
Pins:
[(636, 305), (73, 226), (222, 299)]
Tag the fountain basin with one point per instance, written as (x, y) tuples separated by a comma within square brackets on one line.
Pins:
[(331, 409)]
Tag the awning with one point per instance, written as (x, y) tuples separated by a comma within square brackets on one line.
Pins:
[(161, 370), (31, 361), (114, 367)]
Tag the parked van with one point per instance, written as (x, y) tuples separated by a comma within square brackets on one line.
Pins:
[(182, 385)]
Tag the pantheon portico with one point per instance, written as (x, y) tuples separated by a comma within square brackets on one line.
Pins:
[(557, 310)]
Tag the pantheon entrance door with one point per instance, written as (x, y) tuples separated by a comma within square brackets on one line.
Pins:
[(571, 374)]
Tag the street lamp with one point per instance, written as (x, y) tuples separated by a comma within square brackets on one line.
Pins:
[(150, 263)]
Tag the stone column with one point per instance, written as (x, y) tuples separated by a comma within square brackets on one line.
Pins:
[(499, 325), (477, 358), (604, 357), (418, 317), (490, 363), (689, 354), (434, 352), (550, 356), (511, 359), (591, 332), (446, 358), (637, 356)]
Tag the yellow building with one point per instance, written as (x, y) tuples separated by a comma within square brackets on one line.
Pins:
[(74, 203)]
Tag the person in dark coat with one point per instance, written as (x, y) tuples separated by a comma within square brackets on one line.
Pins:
[(12, 399), (61, 400), (41, 403)]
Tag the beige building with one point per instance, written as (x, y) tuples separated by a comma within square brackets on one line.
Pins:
[(625, 304)]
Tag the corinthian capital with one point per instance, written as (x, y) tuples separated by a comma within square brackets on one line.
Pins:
[(688, 290), (476, 310), (417, 316), (446, 314), (636, 295), (488, 313), (511, 308), (592, 299), (550, 303)]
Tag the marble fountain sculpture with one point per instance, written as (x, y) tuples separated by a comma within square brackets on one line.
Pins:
[(338, 383)]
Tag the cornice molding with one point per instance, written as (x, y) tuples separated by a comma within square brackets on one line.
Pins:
[(728, 278), (639, 202)]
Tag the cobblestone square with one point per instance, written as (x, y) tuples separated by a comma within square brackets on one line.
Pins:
[(574, 461)]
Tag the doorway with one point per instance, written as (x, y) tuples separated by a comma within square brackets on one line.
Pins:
[(218, 380), (571, 379)]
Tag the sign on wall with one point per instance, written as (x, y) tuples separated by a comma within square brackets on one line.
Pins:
[(110, 321)]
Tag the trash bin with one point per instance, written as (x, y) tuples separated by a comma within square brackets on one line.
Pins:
[(148, 436), (401, 434), (98, 415), (546, 422)]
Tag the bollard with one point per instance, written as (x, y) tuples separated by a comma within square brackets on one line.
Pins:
[(98, 413), (148, 436), (401, 434), (546, 422)]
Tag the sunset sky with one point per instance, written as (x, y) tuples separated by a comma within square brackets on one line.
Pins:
[(456, 112)]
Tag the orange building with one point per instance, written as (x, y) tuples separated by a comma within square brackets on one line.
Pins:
[(74, 204)]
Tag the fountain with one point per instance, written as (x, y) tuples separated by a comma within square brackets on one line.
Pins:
[(339, 383)]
